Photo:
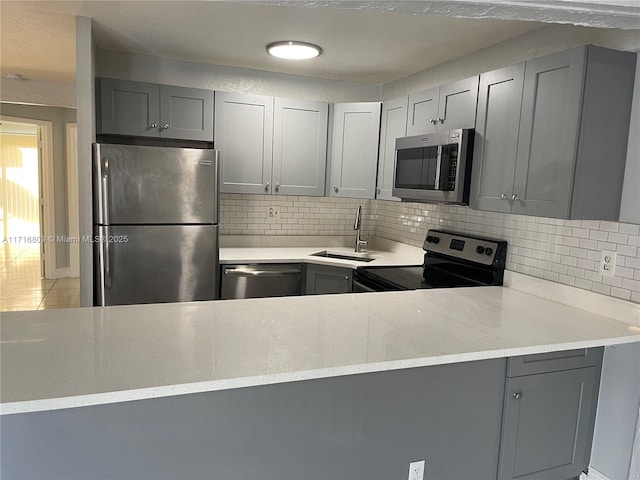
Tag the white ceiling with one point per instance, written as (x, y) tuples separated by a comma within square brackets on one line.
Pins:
[(370, 46), (365, 41)]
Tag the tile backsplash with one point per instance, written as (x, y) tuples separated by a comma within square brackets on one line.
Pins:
[(565, 251)]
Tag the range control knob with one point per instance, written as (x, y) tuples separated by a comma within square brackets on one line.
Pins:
[(435, 240), (480, 249), (429, 239), (488, 251)]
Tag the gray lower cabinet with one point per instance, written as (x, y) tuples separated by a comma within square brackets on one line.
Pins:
[(544, 122), (393, 126), (355, 129), (443, 108), (271, 145), (324, 280), (548, 418), (150, 110)]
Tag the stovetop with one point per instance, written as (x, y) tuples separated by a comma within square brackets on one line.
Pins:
[(451, 260)]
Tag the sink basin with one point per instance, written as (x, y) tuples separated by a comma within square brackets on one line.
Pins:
[(358, 257)]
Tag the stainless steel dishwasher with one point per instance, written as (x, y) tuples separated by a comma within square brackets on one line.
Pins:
[(257, 281)]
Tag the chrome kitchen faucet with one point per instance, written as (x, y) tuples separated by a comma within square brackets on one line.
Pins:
[(356, 226)]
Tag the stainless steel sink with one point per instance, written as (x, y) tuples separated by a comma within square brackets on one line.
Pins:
[(358, 257)]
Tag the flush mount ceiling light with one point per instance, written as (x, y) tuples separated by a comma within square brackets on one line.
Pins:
[(293, 50)]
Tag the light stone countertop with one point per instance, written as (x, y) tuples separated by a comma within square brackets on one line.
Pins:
[(57, 359), (405, 255)]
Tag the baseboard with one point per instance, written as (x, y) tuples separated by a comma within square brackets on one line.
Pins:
[(593, 475)]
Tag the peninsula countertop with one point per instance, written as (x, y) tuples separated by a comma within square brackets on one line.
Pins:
[(68, 358)]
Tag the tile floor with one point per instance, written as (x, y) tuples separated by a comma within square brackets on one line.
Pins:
[(22, 288)]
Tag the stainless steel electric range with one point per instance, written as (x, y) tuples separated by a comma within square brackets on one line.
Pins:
[(450, 260)]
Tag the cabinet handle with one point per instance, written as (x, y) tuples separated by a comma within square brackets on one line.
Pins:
[(378, 190), (266, 186), (165, 126), (503, 197), (277, 187), (346, 277), (335, 188), (153, 125), (433, 121), (517, 395), (515, 197), (441, 120)]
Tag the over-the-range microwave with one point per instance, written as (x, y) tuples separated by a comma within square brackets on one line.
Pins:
[(434, 167)]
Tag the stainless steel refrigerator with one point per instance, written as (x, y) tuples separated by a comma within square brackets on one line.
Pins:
[(156, 224)]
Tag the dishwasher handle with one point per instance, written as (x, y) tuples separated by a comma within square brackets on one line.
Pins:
[(250, 272)]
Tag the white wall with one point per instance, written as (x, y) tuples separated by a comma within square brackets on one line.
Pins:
[(151, 69), (38, 92), (617, 411)]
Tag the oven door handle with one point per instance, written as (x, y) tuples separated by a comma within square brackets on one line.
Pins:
[(358, 287)]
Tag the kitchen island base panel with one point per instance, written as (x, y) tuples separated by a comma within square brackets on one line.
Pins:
[(367, 426)]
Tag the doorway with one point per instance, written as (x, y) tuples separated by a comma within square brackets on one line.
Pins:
[(20, 197)]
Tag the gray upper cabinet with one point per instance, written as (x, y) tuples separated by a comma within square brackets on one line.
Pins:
[(244, 135), (186, 113), (354, 149), (423, 111), (571, 138), (299, 147), (151, 110), (129, 108), (271, 145), (393, 125), (496, 138), (443, 108)]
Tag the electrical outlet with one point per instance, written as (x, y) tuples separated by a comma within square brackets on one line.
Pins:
[(608, 263), (416, 470), (273, 214)]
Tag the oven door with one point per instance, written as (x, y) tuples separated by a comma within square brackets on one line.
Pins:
[(359, 287)]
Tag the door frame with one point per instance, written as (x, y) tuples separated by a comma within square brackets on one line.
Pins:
[(45, 159), (72, 199)]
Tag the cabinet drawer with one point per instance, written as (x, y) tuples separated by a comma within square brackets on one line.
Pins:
[(553, 361)]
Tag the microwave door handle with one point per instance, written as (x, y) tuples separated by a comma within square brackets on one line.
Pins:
[(438, 168)]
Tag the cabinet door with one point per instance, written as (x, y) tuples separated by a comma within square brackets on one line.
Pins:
[(324, 280), (457, 105), (186, 113), (422, 112), (548, 134), (393, 126), (244, 136), (129, 108), (546, 430), (299, 147), (496, 138), (354, 156)]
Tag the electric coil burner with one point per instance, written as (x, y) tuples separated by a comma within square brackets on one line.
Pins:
[(450, 260)]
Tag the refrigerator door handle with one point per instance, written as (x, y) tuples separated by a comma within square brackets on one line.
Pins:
[(108, 260), (106, 193)]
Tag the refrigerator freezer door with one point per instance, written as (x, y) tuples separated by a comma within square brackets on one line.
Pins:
[(155, 185), (154, 264)]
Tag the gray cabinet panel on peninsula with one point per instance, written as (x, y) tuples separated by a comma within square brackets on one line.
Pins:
[(158, 111), (549, 415), (271, 145), (561, 127)]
